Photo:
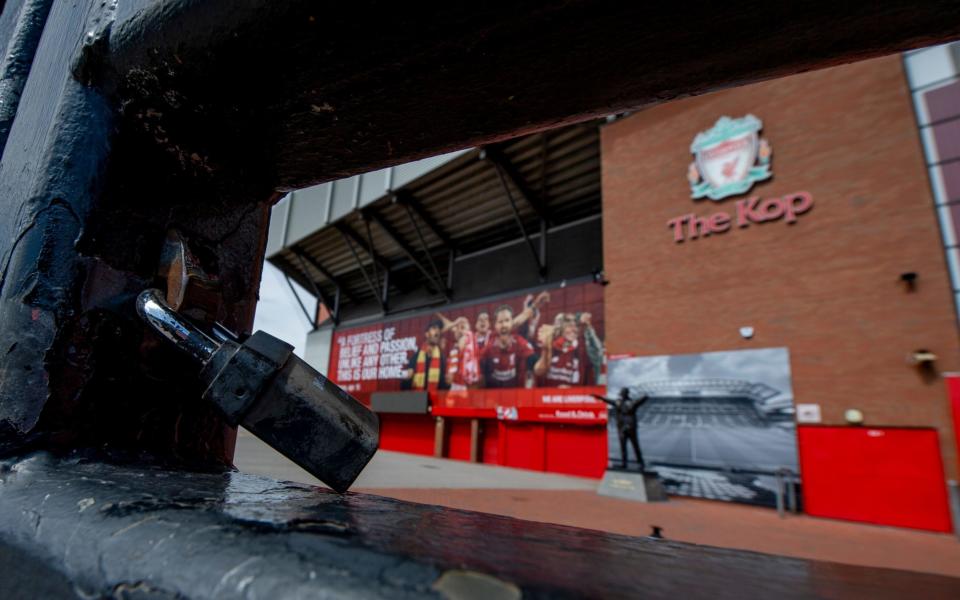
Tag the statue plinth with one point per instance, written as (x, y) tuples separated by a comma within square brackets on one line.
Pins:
[(638, 486)]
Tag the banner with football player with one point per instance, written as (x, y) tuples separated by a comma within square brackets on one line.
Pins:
[(549, 338)]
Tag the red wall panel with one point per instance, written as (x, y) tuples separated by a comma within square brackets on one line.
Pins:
[(953, 391), (887, 476), (524, 446), (490, 442), (556, 447), (407, 433), (576, 450), (458, 439)]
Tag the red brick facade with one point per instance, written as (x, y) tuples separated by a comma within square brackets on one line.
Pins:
[(828, 286)]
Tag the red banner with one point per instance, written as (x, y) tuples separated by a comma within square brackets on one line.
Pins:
[(562, 405), (551, 339)]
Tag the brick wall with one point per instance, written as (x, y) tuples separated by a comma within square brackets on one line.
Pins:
[(827, 287)]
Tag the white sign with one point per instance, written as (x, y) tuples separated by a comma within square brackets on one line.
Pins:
[(808, 413), (373, 355)]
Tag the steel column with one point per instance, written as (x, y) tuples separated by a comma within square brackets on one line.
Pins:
[(317, 292), (372, 252), (311, 318)]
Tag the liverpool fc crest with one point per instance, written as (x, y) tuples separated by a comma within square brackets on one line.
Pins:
[(728, 158)]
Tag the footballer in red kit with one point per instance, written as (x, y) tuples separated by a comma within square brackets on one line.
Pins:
[(463, 368), (504, 358), (564, 360), (483, 330)]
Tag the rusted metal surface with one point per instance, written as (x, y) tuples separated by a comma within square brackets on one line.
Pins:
[(189, 289), (85, 213), (111, 528), (21, 23), (323, 91)]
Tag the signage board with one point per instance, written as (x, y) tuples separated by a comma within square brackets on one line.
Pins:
[(549, 339), (729, 159)]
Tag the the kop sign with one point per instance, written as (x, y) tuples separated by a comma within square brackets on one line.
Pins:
[(729, 158)]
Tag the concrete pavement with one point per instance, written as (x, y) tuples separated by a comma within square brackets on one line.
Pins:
[(573, 501), (398, 470)]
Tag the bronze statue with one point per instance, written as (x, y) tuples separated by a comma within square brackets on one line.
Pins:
[(624, 411)]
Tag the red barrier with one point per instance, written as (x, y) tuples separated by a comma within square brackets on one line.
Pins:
[(882, 475), (953, 391), (490, 442), (575, 450), (525, 446), (555, 430), (407, 433), (458, 439)]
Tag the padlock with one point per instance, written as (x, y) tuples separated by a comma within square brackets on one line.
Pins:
[(263, 386)]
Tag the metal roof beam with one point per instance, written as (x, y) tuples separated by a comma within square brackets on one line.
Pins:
[(297, 251), (349, 241), (306, 313), (426, 248), (397, 239), (507, 169), (332, 307), (408, 199), (537, 258), (372, 252), (348, 232)]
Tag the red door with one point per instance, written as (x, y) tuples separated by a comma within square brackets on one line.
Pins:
[(882, 475)]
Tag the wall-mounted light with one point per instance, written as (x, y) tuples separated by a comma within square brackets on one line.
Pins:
[(922, 359), (746, 332), (600, 277), (853, 416)]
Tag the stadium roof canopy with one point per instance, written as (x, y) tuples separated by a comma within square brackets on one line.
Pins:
[(408, 225)]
